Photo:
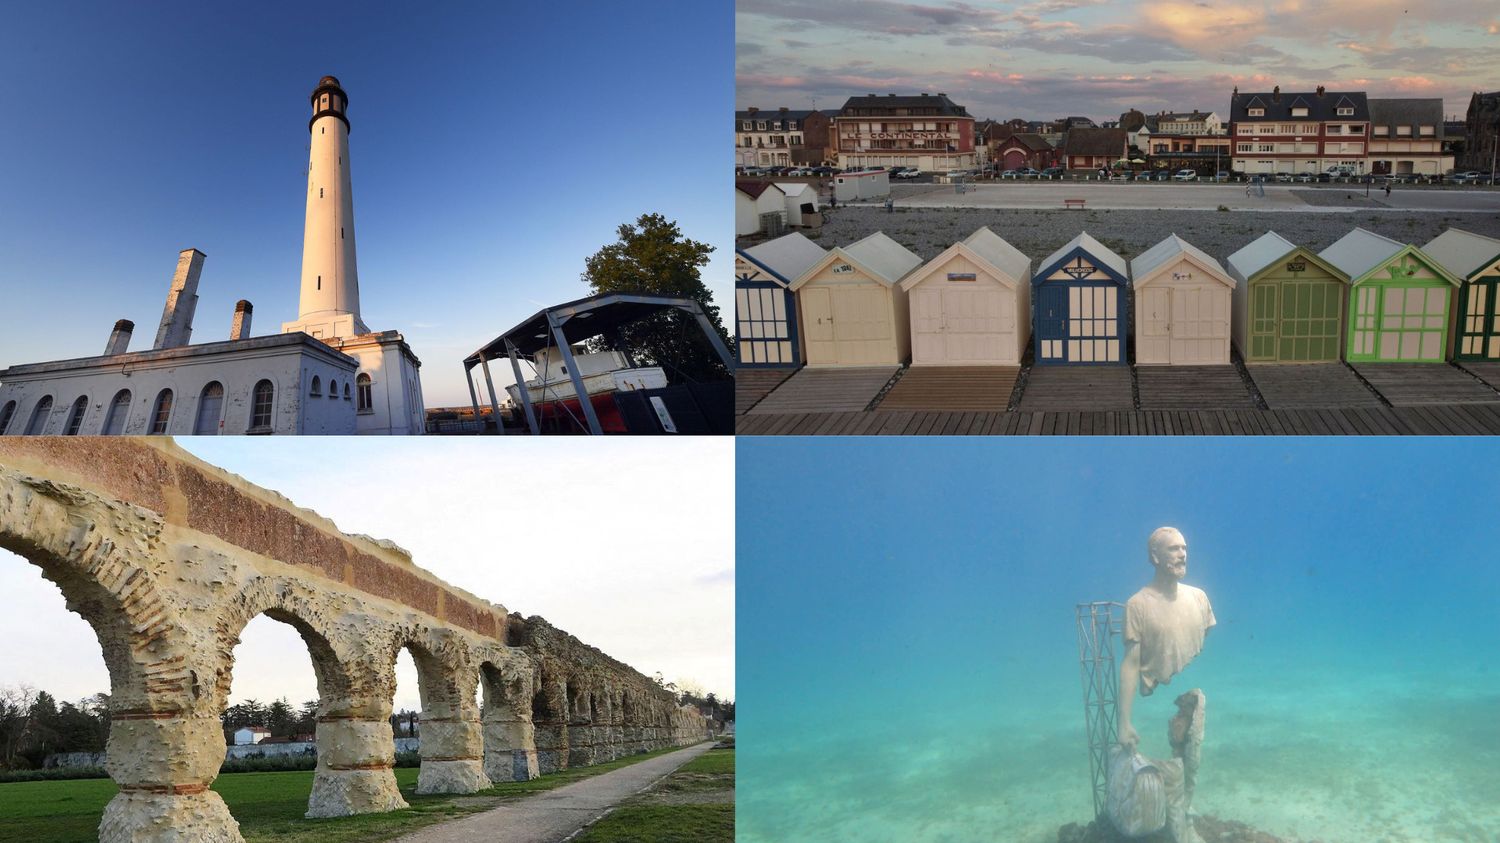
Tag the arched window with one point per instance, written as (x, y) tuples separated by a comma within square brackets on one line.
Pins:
[(162, 412), (317, 386), (39, 415), (210, 405), (75, 416), (119, 410), (333, 388), (346, 398), (260, 407), (366, 404), (10, 410)]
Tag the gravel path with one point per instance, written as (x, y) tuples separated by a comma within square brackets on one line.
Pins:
[(1037, 233), (554, 815)]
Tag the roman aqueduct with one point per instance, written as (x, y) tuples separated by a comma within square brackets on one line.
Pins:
[(168, 558)]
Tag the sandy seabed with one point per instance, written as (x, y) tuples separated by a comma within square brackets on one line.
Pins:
[(1382, 760)]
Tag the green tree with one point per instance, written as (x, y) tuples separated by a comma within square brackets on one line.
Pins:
[(652, 256)]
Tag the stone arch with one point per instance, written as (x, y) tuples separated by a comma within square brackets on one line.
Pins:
[(509, 736), (290, 602), (549, 717), (452, 738), (162, 751)]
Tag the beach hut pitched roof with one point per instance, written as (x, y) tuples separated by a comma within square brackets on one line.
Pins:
[(1259, 254), (787, 256), (1463, 253), (796, 188), (994, 248), (882, 256), (1147, 263), (987, 246), (754, 189), (1099, 251), (1360, 251)]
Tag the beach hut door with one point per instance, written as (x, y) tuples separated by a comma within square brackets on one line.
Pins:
[(1199, 326), (817, 325), (1481, 321), (1411, 322), (1154, 337), (1051, 323)]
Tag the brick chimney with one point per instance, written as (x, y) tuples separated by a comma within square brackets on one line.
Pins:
[(1320, 90), (240, 330), (119, 338), (752, 109), (1276, 94)]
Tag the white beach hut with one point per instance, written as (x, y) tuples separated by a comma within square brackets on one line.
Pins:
[(752, 200), (801, 203), (853, 309), (971, 305), (1183, 302)]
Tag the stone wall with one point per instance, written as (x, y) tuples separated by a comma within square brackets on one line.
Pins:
[(168, 558)]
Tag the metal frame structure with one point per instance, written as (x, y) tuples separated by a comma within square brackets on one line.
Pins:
[(1100, 624), (571, 322)]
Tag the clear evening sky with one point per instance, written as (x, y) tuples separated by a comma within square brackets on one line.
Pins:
[(1097, 58), (628, 545), (494, 146)]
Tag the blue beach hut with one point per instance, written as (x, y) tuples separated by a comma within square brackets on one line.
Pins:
[(1080, 310), (765, 310)]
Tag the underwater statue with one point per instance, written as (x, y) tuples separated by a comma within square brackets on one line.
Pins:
[(1165, 624)]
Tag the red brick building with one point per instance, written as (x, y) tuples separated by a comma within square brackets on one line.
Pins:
[(928, 132)]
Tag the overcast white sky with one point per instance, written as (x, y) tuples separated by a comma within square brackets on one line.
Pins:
[(628, 543)]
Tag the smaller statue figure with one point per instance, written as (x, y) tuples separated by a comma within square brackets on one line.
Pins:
[(1165, 623)]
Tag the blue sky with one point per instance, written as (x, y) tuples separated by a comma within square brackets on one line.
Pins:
[(874, 574), (1045, 59), (493, 148)]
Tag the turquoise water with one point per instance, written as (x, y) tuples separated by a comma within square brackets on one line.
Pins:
[(908, 663)]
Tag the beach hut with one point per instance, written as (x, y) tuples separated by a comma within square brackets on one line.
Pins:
[(870, 184), (1079, 309), (1475, 260), (852, 307), (1399, 299), (801, 203), (753, 200), (971, 304), (1289, 303), (1183, 300), (765, 310)]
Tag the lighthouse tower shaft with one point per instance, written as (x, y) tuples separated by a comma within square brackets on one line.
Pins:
[(329, 302)]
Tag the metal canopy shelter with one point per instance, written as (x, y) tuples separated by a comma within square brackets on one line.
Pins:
[(572, 322)]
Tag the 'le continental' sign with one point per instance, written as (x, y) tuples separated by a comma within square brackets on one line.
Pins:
[(907, 135)]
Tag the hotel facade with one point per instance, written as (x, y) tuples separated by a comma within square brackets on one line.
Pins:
[(927, 131)]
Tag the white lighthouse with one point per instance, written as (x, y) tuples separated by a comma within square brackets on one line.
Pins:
[(388, 387), (329, 304)]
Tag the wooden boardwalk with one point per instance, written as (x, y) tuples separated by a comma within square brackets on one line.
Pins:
[(751, 385), (1487, 372), (1062, 388), (1311, 386), (1423, 384), (819, 390), (952, 388), (1192, 388), (1461, 419)]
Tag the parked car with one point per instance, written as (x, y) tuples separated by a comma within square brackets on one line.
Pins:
[(1222, 175), (1307, 178), (823, 171), (1338, 170), (908, 173), (1144, 175), (1028, 173), (1051, 173), (1010, 174), (1185, 175), (1284, 178)]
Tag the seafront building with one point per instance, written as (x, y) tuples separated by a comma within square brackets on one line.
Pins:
[(926, 131)]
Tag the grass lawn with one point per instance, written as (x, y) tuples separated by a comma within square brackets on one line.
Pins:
[(695, 804), (268, 806)]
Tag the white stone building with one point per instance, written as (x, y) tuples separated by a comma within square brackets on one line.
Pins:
[(326, 373)]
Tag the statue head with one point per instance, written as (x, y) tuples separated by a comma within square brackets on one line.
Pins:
[(1168, 552)]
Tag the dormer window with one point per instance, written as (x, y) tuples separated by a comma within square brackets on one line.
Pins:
[(1257, 112), (1299, 112), (1403, 131), (1345, 111), (760, 125), (748, 125), (791, 125), (1426, 130), (1382, 131)]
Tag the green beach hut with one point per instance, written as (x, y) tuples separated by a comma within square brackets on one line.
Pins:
[(1289, 303), (1475, 259), (1399, 299)]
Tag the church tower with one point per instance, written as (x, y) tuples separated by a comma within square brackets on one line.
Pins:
[(329, 303)]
